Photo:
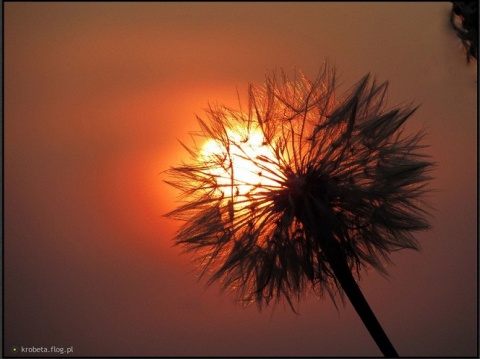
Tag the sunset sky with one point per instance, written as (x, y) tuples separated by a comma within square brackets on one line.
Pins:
[(96, 97)]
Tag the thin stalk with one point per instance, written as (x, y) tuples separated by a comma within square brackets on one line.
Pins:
[(344, 276), (338, 263)]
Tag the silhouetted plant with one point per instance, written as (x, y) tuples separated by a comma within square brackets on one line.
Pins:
[(332, 185), (467, 31)]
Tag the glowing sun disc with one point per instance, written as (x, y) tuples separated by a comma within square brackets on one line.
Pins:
[(247, 174)]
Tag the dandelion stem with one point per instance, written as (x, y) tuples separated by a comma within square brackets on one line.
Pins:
[(337, 260), (344, 275)]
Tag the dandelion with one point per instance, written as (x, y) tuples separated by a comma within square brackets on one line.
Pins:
[(300, 191)]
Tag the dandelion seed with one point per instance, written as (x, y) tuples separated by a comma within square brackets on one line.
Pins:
[(328, 187)]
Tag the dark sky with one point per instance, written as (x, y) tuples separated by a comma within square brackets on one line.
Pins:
[(96, 96)]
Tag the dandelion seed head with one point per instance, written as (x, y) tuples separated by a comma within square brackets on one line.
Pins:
[(271, 186)]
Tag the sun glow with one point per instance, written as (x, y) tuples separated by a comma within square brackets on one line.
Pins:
[(245, 168)]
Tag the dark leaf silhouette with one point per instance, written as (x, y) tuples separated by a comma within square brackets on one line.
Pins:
[(467, 30)]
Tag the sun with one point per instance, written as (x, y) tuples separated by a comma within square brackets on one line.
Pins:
[(245, 169)]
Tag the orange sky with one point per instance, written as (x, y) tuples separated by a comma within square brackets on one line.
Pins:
[(96, 96)]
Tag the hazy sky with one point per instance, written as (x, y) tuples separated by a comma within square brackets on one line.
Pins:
[(96, 96)]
